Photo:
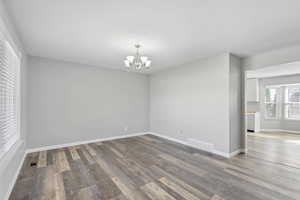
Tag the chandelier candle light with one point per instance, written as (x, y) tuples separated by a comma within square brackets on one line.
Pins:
[(137, 62)]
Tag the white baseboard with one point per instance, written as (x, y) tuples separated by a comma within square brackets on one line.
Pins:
[(14, 179), (279, 130), (220, 153), (228, 155), (232, 154), (45, 148), (243, 150)]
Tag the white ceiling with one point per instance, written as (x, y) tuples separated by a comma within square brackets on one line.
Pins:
[(172, 32), (277, 70)]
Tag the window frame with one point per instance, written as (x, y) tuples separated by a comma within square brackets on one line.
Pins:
[(287, 103), (277, 103)]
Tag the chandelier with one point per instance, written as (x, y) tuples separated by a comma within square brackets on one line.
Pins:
[(137, 62)]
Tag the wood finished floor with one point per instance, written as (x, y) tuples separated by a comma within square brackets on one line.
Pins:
[(148, 167), (278, 147)]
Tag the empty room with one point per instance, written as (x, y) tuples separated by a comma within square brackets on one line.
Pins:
[(149, 100)]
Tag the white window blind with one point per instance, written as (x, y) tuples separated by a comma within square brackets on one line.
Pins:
[(9, 75)]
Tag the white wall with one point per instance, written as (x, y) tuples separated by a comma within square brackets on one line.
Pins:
[(253, 106), (235, 94), (71, 102), (271, 58), (10, 162), (192, 102), (282, 124)]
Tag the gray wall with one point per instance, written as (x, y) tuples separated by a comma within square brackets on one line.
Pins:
[(235, 94), (192, 102), (11, 161), (70, 102), (291, 125), (253, 106), (271, 58)]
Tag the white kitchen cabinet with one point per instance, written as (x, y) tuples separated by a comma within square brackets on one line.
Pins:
[(253, 121), (252, 90)]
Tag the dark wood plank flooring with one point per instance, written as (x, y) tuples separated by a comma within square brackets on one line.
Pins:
[(152, 168)]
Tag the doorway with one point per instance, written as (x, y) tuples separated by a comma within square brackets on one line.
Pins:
[(272, 113)]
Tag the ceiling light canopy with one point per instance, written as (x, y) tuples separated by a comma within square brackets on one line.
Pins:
[(137, 62)]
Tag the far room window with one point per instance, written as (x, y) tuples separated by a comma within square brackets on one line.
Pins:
[(272, 102), (9, 96), (292, 102)]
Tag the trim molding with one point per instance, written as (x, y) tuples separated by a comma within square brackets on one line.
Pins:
[(279, 130), (228, 155), (232, 154), (220, 153), (15, 177), (243, 150), (50, 147)]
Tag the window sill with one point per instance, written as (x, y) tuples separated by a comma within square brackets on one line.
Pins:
[(291, 119), (266, 119)]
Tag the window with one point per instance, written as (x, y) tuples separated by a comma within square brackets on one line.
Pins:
[(272, 102), (292, 102), (9, 94)]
